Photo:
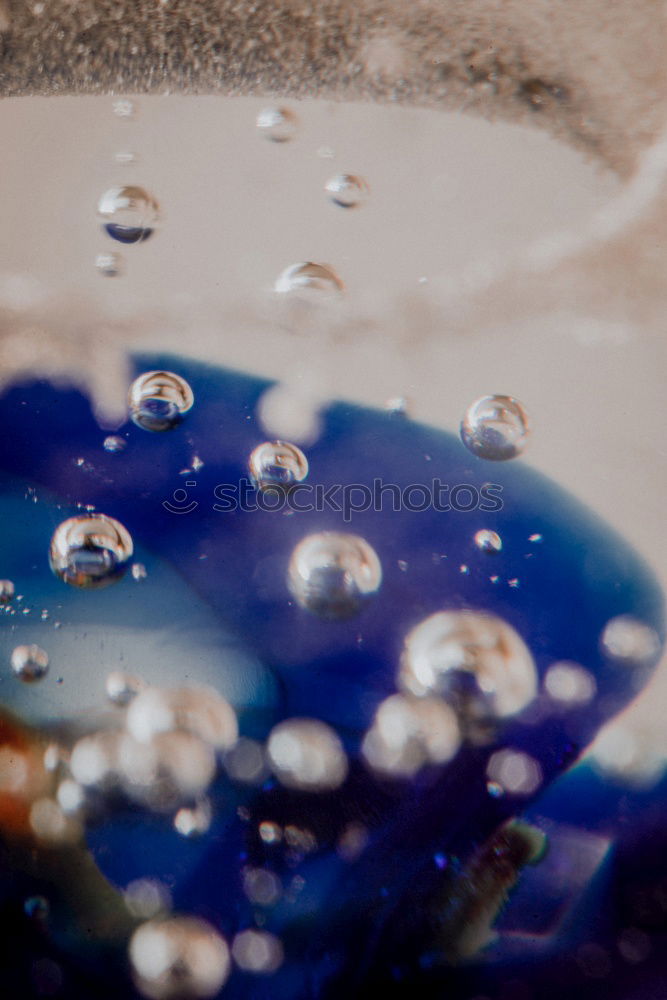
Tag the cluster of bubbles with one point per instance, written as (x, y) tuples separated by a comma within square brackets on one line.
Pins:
[(29, 663)]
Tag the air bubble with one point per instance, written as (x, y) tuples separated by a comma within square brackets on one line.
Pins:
[(179, 957), (37, 908), (347, 190), (130, 214), (569, 684), (495, 428), (124, 108), (90, 551), (6, 591), (121, 688), (114, 444), (200, 711), (628, 641), (488, 541), (332, 574), (277, 124), (195, 821), (307, 754), (277, 464), (310, 281), (257, 951), (476, 661), (408, 733), (514, 772), (110, 265), (159, 400), (30, 663)]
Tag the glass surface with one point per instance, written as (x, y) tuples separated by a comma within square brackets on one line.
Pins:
[(349, 324)]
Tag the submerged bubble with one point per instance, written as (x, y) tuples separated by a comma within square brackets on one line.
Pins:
[(408, 733), (262, 886), (569, 684), (307, 754), (514, 772), (29, 663), (277, 124), (347, 190), (109, 264), (277, 464), (178, 957), (130, 213), (488, 541), (121, 688), (90, 551), (168, 772), (476, 661), (193, 822), (310, 281), (6, 591), (146, 897), (626, 640), (158, 401), (36, 907), (257, 951), (495, 428), (197, 710), (124, 156), (113, 444), (124, 108), (332, 574)]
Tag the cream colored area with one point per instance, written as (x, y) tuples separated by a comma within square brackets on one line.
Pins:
[(488, 258)]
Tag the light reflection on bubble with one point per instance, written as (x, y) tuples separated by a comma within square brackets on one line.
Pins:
[(164, 774), (257, 951), (6, 591), (495, 428), (277, 464), (159, 400), (488, 541), (310, 282), (476, 661), (307, 754), (408, 733), (178, 957), (332, 574), (347, 190), (195, 821), (277, 124), (197, 710), (130, 213), (90, 551), (29, 663), (70, 796), (121, 688)]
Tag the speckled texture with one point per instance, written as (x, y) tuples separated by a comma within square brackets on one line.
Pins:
[(593, 71)]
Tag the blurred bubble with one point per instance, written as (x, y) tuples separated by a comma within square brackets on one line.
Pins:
[(178, 957), (569, 684), (29, 663), (6, 591), (121, 688), (262, 886), (628, 641), (246, 763), (408, 733), (50, 824), (277, 124), (114, 444), (515, 772), (257, 951), (70, 797), (109, 265), (197, 710), (347, 190), (37, 908), (193, 821), (309, 281), (307, 754), (488, 541), (290, 413)]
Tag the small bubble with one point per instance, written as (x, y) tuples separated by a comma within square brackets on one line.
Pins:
[(193, 821), (124, 156), (90, 551), (277, 124), (535, 538), (277, 464), (270, 833), (70, 796), (179, 957), (474, 660), (6, 591), (332, 574), (29, 663), (628, 641), (488, 541), (257, 951), (109, 264), (37, 908), (113, 444), (245, 762), (307, 754), (146, 898), (139, 571), (495, 428), (398, 406), (159, 400), (309, 281), (121, 688), (347, 190), (124, 108), (130, 214)]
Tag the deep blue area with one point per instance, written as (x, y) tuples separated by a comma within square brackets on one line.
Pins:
[(352, 926)]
